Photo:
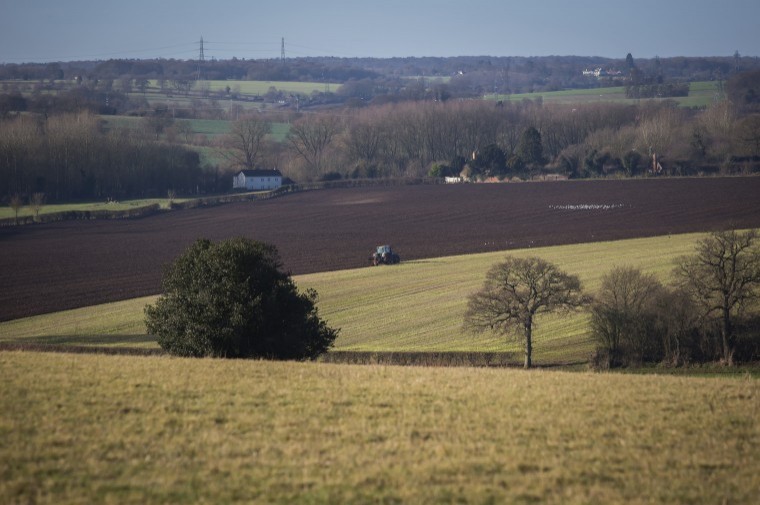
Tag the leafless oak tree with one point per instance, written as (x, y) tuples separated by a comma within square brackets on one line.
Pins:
[(244, 144), (310, 137), (723, 278), (515, 292)]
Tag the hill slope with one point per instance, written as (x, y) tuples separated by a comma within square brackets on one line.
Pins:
[(415, 306)]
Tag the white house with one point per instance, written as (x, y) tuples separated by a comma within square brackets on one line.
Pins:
[(256, 180)]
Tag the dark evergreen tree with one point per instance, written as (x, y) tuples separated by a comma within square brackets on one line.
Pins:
[(629, 61), (490, 161), (231, 299), (530, 149)]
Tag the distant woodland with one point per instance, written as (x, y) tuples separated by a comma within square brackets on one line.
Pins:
[(370, 77), (388, 118)]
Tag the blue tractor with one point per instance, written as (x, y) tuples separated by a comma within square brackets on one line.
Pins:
[(384, 255)]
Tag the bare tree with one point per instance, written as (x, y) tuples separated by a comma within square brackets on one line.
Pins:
[(723, 278), (749, 132), (36, 202), (515, 292), (243, 146), (16, 203), (310, 138), (623, 315), (185, 128), (157, 123), (364, 141), (657, 133)]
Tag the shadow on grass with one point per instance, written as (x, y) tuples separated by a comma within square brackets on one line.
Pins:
[(446, 359), (80, 349), (86, 340)]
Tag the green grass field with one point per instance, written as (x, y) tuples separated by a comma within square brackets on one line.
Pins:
[(213, 129), (117, 429), (245, 93), (701, 94), (262, 87), (210, 127), (7, 212), (113, 206), (415, 306), (257, 87)]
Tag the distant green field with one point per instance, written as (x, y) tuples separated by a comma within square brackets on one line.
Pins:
[(7, 212), (415, 306), (260, 87), (701, 94), (263, 87), (209, 127), (245, 93)]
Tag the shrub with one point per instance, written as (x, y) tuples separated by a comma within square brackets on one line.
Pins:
[(231, 299)]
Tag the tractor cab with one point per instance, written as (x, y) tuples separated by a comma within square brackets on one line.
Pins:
[(384, 255)]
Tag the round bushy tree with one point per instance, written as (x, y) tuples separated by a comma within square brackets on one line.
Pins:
[(530, 148), (231, 299)]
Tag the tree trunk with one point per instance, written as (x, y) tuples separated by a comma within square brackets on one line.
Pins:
[(728, 354), (528, 342)]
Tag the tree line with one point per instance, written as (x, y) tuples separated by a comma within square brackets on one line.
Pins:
[(469, 75), (709, 313), (71, 157), (485, 139), (479, 139)]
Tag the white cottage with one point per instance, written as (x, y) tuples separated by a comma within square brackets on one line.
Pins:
[(257, 180)]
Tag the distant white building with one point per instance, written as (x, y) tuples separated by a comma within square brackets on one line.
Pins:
[(600, 72), (257, 180)]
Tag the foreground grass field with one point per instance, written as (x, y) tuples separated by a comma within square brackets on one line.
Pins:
[(415, 306), (105, 429)]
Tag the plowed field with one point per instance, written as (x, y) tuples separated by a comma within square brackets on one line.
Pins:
[(45, 268)]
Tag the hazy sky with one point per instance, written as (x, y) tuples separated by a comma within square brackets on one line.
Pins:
[(61, 30)]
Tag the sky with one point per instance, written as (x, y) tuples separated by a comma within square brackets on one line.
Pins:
[(69, 30)]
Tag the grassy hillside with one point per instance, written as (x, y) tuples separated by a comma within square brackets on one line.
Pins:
[(106, 429), (415, 306), (701, 94)]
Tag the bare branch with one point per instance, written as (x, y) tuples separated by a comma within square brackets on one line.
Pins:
[(517, 290)]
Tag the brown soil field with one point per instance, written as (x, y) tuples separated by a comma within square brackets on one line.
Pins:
[(56, 266)]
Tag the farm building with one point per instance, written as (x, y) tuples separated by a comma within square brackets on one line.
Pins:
[(253, 180)]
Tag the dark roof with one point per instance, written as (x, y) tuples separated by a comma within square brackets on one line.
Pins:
[(261, 173)]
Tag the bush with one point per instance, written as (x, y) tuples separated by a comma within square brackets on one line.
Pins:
[(230, 299)]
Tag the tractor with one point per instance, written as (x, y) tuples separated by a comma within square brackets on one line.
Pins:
[(384, 255)]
